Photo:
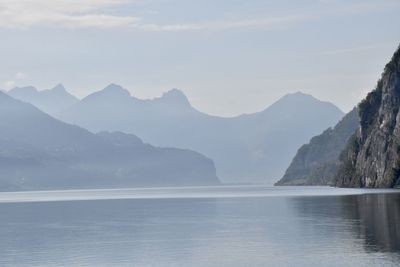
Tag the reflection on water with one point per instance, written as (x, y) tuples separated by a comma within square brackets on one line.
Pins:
[(379, 217), (341, 230), (373, 218)]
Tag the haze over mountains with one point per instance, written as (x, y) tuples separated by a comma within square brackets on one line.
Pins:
[(51, 101), (40, 152), (252, 148)]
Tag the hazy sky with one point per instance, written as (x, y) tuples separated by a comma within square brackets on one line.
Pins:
[(228, 56)]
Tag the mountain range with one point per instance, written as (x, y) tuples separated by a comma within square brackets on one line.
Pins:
[(251, 148), (51, 101), (40, 152)]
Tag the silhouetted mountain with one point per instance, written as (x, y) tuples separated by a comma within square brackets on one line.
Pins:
[(372, 157), (40, 152), (254, 148), (174, 98), (317, 163), (51, 101)]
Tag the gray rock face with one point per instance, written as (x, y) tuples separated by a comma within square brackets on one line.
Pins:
[(317, 163), (372, 158)]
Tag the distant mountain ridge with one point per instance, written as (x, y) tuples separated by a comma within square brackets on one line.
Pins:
[(51, 101), (251, 148), (40, 152), (317, 162)]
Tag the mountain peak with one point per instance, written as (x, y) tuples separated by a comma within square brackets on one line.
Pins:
[(299, 97), (59, 87), (175, 96), (299, 94), (110, 92), (394, 63), (295, 99), (50, 101), (295, 103), (115, 89)]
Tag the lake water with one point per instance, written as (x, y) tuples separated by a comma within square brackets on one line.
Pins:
[(238, 226)]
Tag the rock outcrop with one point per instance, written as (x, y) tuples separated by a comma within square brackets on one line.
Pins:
[(317, 163), (372, 157)]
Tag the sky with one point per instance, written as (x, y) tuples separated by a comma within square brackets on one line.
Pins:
[(228, 56)]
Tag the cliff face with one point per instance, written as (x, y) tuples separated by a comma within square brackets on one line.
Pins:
[(372, 157), (317, 163)]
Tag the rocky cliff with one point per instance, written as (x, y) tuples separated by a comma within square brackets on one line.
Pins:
[(372, 157), (317, 163)]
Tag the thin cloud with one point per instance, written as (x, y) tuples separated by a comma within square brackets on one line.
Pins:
[(62, 13), (331, 8), (170, 27), (100, 14), (93, 14), (359, 48), (265, 23)]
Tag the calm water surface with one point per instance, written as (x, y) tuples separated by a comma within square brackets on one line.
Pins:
[(218, 226)]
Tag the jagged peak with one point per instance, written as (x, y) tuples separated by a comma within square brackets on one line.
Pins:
[(60, 91), (175, 96), (111, 91), (394, 63), (59, 87), (115, 89)]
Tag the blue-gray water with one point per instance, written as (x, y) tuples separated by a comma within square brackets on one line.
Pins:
[(219, 226)]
